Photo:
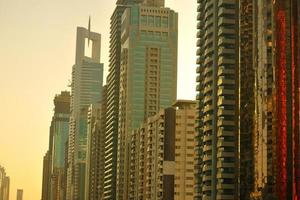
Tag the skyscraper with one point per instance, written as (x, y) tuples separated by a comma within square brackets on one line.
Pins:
[(95, 150), (113, 83), (4, 185), (86, 89), (257, 136), (60, 136), (54, 160), (19, 194), (148, 74), (218, 96), (287, 79), (247, 97)]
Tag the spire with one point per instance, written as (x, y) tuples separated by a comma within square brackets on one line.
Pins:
[(89, 28)]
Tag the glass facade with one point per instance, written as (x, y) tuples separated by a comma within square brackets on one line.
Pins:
[(148, 74)]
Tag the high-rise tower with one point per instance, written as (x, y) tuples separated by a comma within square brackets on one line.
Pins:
[(218, 128), (54, 160), (113, 82), (60, 136), (95, 150), (148, 74), (287, 79), (86, 89)]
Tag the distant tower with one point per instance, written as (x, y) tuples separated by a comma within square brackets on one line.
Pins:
[(19, 194), (86, 89), (4, 185)]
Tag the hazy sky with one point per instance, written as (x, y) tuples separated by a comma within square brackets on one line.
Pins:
[(37, 51)]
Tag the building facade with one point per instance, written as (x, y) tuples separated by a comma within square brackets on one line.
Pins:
[(46, 177), (53, 186), (148, 74), (218, 91), (60, 136), (4, 184), (258, 180), (86, 89), (287, 77), (113, 83), (96, 150), (162, 155)]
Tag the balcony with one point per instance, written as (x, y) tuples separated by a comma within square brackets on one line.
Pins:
[(198, 78), (207, 128), (223, 70), (224, 40), (225, 175), (208, 41), (226, 2), (223, 143), (222, 164), (224, 21), (207, 89), (223, 30), (223, 101), (206, 158), (223, 81), (208, 60), (224, 61), (208, 79), (226, 11), (207, 138), (206, 167), (225, 133), (223, 122), (208, 69), (207, 148), (223, 50), (225, 186), (206, 188), (222, 112), (207, 98), (223, 91), (223, 154), (206, 178)]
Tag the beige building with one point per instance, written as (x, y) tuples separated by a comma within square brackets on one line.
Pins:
[(162, 155)]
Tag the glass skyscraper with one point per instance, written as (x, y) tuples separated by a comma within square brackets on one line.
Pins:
[(148, 74)]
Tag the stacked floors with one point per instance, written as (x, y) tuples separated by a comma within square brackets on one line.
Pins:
[(218, 60), (148, 75)]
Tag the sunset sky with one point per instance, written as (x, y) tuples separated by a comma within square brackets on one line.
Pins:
[(37, 51)]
